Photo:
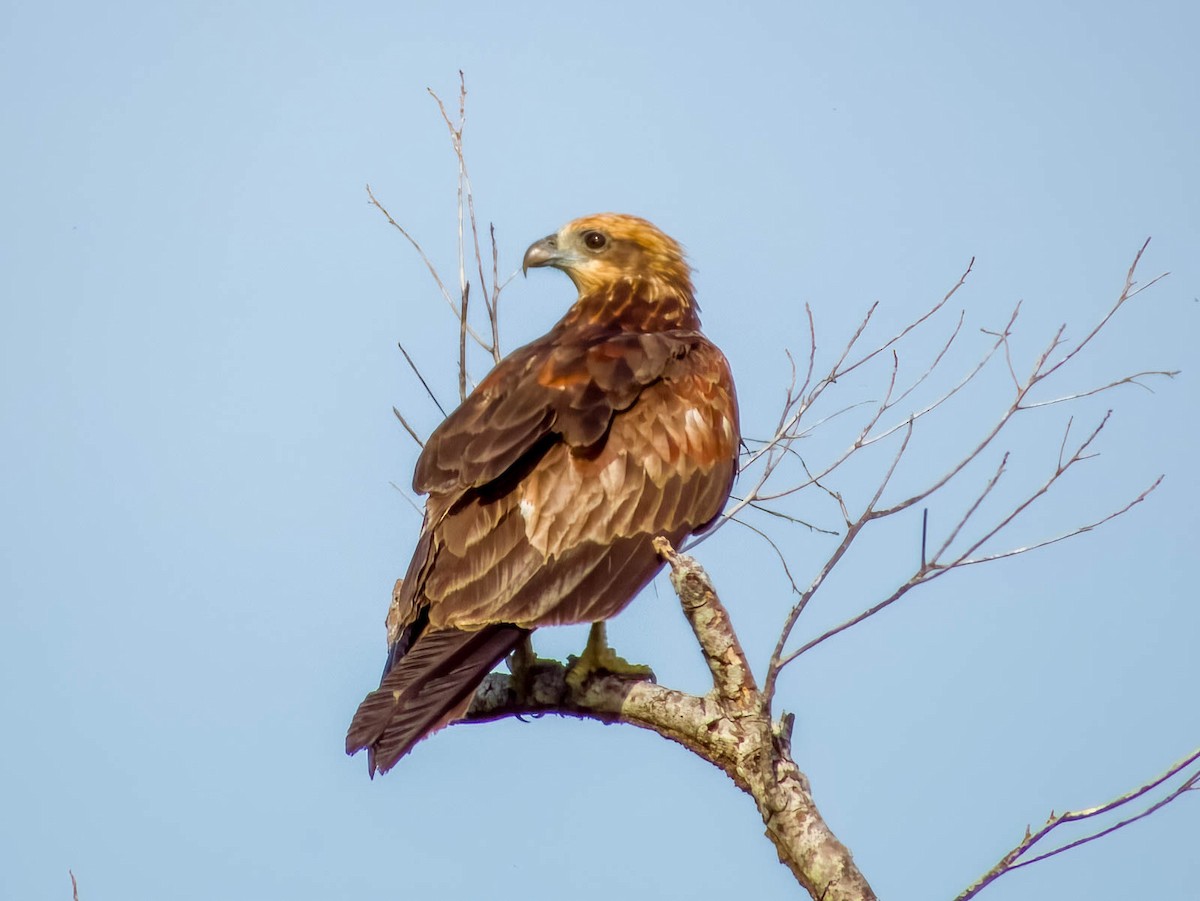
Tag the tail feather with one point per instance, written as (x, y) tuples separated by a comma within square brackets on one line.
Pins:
[(426, 689)]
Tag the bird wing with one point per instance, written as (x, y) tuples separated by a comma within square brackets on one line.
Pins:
[(549, 483), (567, 384), (547, 487)]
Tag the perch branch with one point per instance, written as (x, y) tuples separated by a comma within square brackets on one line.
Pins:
[(729, 726)]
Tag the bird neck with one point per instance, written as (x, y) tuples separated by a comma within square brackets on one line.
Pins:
[(637, 305)]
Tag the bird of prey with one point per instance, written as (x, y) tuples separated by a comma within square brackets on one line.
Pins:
[(548, 484)]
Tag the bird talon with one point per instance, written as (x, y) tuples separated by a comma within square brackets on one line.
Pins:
[(525, 665), (598, 659)]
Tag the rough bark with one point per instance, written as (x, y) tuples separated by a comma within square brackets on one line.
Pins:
[(730, 726)]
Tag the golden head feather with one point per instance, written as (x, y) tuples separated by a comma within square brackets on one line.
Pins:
[(599, 251)]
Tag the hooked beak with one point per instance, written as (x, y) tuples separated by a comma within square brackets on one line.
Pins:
[(541, 253)]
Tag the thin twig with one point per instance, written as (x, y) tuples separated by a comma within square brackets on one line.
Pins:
[(1078, 530), (428, 264), (493, 307), (962, 522), (912, 325), (408, 428), (778, 553), (797, 404), (935, 404), (1127, 294), (1062, 468), (795, 520), (1127, 380), (1012, 860), (930, 571), (409, 500), (462, 344), (936, 360), (778, 662), (812, 350), (1189, 784), (424, 384)]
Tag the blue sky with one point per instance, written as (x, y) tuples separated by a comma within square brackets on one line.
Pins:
[(198, 363)]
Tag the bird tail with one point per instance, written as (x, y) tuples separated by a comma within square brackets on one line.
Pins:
[(426, 689)]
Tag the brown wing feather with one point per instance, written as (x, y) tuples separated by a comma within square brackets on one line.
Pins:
[(432, 688), (566, 384), (665, 468), (547, 487)]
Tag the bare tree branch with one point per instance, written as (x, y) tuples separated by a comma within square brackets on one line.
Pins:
[(778, 659), (938, 402), (424, 384), (933, 568), (462, 310), (1012, 860), (936, 566), (732, 725), (929, 370), (464, 286), (408, 428), (798, 403), (779, 555), (462, 344), (408, 500), (493, 305), (1125, 380), (732, 676), (932, 311), (1126, 294), (729, 727), (428, 265), (1078, 530)]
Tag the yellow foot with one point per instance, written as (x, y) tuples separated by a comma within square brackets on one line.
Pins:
[(525, 665), (599, 658)]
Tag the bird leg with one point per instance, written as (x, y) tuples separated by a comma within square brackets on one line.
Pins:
[(524, 665), (599, 658)]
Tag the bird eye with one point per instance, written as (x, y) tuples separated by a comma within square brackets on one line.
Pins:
[(594, 240)]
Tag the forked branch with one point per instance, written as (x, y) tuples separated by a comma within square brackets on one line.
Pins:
[(728, 726), (461, 308), (1188, 768), (943, 560), (731, 724)]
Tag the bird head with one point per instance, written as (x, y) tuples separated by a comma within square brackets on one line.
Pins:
[(599, 251)]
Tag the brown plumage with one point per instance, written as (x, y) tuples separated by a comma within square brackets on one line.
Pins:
[(548, 484)]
